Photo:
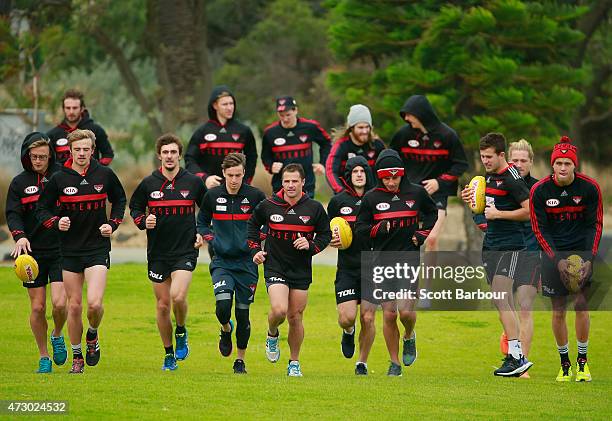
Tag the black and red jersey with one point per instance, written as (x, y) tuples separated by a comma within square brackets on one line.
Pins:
[(82, 198), (505, 189), (344, 149), (21, 199), (410, 212), (294, 145), (437, 154), (286, 223), (103, 152), (173, 203), (223, 219), (212, 141), (567, 218)]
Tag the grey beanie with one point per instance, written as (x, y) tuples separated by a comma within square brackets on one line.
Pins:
[(359, 113)]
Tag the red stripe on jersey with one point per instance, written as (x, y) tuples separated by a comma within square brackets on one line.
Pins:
[(448, 177), (291, 227), (222, 145), (231, 216), (62, 148), (534, 221), (82, 198), (348, 218), (166, 203), (425, 151), (396, 214), (30, 199), (316, 123), (497, 192), (566, 209), (299, 147), (598, 215)]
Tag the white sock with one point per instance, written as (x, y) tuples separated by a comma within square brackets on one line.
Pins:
[(350, 331), (563, 349), (76, 350), (583, 347), (514, 348)]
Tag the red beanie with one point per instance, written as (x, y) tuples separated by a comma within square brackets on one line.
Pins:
[(564, 149)]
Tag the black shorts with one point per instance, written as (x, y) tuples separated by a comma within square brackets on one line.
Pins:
[(49, 270), (348, 285), (239, 278), (523, 267), (78, 264), (273, 278), (552, 285), (160, 270), (440, 199)]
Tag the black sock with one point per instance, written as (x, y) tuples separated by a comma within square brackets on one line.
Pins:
[(91, 335), (581, 356), (179, 330), (565, 359), (169, 350)]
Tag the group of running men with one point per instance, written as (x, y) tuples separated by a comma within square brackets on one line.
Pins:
[(394, 200)]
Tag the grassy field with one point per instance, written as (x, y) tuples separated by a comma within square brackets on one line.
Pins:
[(451, 379)]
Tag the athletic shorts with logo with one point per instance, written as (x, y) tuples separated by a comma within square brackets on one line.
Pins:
[(552, 285), (78, 264), (275, 278), (234, 276), (348, 285), (49, 270), (160, 270), (522, 266)]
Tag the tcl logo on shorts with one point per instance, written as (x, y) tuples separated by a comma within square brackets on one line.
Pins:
[(219, 284), (154, 275), (70, 190), (210, 136), (276, 218), (156, 194), (346, 293), (552, 202), (383, 206), (279, 141), (31, 190), (413, 143), (61, 142), (346, 210), (221, 200)]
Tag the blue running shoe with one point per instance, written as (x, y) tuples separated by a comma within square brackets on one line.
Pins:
[(44, 365), (182, 347), (272, 349), (294, 369), (169, 363), (59, 350), (409, 352)]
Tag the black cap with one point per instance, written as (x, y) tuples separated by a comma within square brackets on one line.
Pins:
[(285, 103)]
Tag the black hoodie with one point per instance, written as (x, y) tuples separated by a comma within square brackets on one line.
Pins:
[(286, 223), (82, 198), (58, 135), (436, 154), (410, 212), (212, 141), (21, 199), (346, 205), (173, 203)]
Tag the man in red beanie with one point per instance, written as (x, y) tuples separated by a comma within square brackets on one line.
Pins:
[(567, 219)]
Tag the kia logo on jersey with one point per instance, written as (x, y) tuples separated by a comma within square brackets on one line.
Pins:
[(70, 190), (279, 141), (552, 202), (276, 218), (61, 142), (31, 190), (221, 200), (210, 136), (157, 194), (346, 210), (413, 143), (383, 206)]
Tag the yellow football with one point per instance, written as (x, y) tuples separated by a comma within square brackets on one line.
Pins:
[(26, 268), (477, 200), (340, 228), (574, 267)]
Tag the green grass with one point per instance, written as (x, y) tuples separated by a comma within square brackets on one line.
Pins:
[(451, 379)]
